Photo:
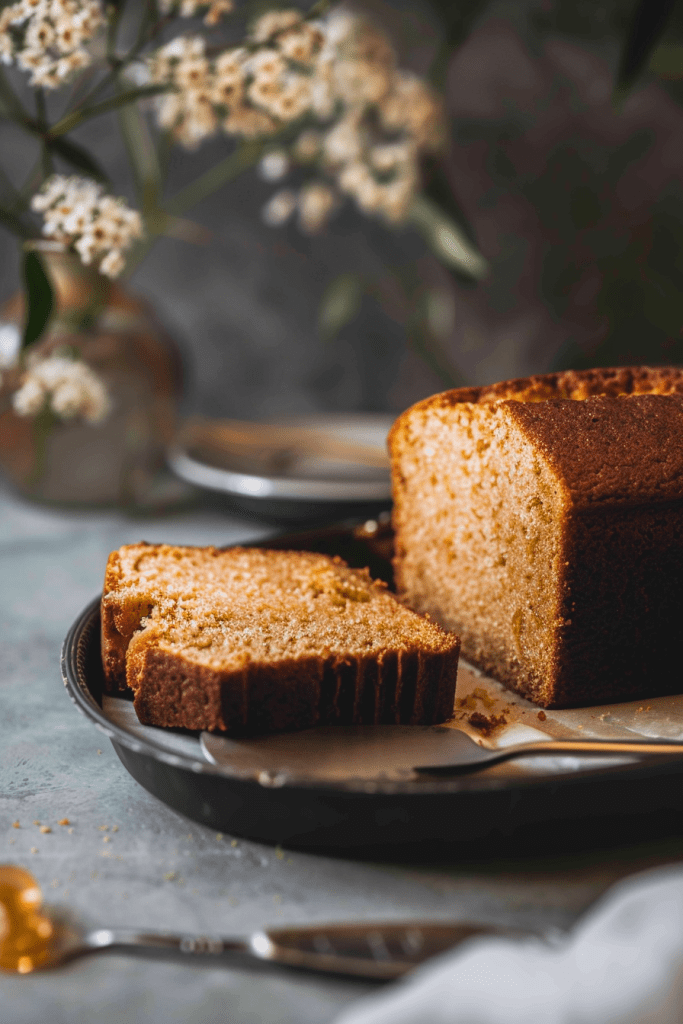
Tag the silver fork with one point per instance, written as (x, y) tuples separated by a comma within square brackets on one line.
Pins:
[(370, 751)]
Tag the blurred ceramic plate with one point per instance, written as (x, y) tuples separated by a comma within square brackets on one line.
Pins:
[(320, 458)]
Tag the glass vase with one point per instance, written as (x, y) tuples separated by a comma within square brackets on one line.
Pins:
[(117, 462)]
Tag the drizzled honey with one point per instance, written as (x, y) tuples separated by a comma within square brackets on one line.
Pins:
[(26, 935)]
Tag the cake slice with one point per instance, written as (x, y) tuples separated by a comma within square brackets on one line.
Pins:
[(542, 520), (251, 640)]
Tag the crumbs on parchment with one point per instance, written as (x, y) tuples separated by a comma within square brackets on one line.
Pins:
[(486, 724)]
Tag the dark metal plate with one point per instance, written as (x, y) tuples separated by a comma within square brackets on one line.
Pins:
[(489, 813)]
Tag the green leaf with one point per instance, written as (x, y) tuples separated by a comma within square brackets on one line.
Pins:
[(339, 305), (439, 188), (446, 239), (78, 158), (39, 298), (647, 25)]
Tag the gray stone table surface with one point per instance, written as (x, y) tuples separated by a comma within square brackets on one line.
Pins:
[(126, 859)]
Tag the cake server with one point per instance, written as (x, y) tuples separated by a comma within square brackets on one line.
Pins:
[(374, 951), (389, 751)]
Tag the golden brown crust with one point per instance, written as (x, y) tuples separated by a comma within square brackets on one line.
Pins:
[(401, 687), (616, 450), (576, 385), (355, 655)]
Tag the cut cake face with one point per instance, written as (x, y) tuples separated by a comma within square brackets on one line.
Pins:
[(250, 640), (542, 520)]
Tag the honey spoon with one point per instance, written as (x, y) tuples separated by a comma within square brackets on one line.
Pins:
[(35, 938), (378, 951)]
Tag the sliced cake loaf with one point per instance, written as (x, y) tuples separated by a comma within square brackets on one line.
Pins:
[(250, 640), (542, 520)]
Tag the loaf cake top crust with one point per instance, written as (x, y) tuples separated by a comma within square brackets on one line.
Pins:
[(612, 436), (227, 608), (575, 385)]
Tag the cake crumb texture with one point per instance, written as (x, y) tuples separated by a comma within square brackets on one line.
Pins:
[(249, 640), (542, 520)]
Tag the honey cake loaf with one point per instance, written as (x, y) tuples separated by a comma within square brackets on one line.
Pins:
[(542, 520), (250, 640)]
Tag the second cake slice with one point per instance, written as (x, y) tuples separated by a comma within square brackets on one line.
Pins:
[(251, 640)]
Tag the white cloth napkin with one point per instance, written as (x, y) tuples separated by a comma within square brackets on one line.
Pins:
[(622, 964)]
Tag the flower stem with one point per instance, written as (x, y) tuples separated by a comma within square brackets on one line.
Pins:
[(47, 164), (227, 170), (142, 156), (77, 117), (146, 33), (423, 342), (10, 105), (112, 31)]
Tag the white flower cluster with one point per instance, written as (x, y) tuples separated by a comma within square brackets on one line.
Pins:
[(213, 10), (339, 71), (78, 212), (379, 120), (249, 91), (66, 386), (48, 38)]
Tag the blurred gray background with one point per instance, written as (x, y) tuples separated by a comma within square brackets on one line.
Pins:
[(577, 206)]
